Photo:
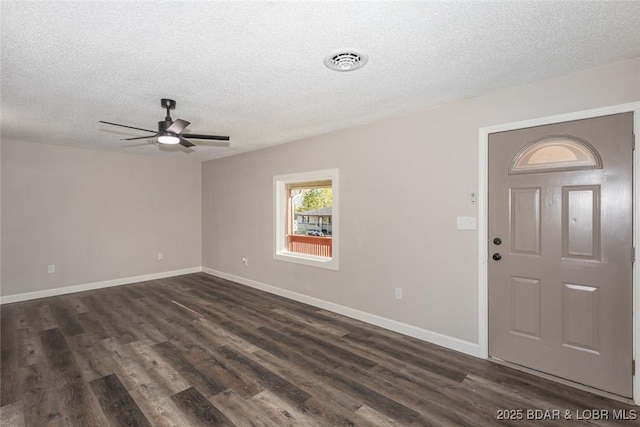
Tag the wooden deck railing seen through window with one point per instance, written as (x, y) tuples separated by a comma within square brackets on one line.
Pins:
[(310, 245)]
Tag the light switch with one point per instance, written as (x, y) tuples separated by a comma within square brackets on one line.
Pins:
[(467, 223)]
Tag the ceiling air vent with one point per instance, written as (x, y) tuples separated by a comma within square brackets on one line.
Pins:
[(345, 60)]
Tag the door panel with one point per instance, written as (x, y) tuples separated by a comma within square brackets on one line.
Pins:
[(525, 310), (525, 220), (560, 293), (581, 222), (580, 316)]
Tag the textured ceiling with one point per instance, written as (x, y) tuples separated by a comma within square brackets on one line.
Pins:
[(254, 70)]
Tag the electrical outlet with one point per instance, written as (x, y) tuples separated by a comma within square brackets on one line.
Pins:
[(245, 260), (160, 256), (398, 293), (51, 269)]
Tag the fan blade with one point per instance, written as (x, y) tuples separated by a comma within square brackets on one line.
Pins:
[(125, 126), (140, 137), (178, 126), (170, 148), (138, 145), (197, 136), (214, 144), (186, 143), (175, 148)]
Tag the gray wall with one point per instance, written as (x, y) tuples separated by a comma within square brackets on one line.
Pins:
[(96, 215), (406, 179)]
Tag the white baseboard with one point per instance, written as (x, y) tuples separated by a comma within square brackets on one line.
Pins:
[(393, 325), (95, 285)]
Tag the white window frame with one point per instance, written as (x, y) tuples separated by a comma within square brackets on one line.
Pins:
[(281, 252)]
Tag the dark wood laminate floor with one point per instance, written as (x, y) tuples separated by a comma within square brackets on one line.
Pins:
[(198, 350)]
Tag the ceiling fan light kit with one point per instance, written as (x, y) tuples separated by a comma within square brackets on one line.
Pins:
[(168, 138), (170, 131)]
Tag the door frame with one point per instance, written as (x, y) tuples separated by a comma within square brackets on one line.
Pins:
[(483, 218)]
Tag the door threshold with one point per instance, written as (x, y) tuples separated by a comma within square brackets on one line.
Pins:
[(564, 381)]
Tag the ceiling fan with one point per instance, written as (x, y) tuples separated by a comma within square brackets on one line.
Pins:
[(170, 131)]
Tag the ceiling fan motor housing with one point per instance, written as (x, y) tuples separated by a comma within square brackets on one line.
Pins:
[(163, 125)]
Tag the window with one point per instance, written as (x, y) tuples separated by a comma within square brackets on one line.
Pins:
[(306, 218), (555, 153)]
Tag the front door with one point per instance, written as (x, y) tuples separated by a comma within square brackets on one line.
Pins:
[(560, 250)]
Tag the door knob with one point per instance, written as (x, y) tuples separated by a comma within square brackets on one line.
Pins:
[(497, 256), (497, 241)]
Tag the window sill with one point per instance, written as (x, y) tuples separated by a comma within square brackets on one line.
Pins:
[(310, 260)]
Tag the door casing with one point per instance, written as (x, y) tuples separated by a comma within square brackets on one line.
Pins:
[(483, 250)]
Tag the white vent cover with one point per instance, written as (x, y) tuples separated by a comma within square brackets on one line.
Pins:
[(345, 60)]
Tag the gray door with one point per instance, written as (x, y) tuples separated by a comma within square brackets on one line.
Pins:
[(560, 250)]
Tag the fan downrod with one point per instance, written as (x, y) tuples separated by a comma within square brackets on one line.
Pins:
[(169, 104)]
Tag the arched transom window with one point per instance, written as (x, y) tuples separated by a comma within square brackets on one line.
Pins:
[(555, 153)]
